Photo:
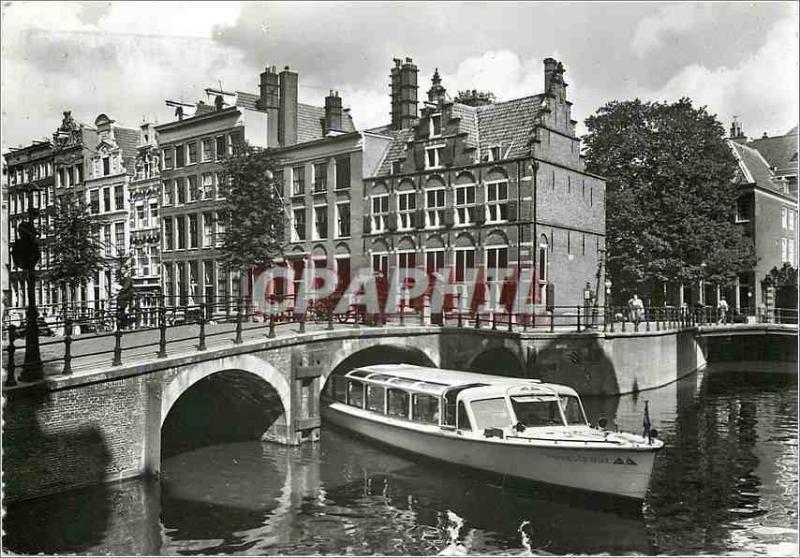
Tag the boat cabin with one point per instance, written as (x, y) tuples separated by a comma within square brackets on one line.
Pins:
[(453, 399)]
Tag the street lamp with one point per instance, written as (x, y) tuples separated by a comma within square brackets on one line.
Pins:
[(608, 299), (26, 253)]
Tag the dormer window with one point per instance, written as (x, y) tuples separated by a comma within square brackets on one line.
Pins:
[(436, 125), (106, 166), (395, 167), (433, 157), (494, 153)]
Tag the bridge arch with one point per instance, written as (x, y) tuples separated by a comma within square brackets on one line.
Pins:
[(245, 363), (500, 360)]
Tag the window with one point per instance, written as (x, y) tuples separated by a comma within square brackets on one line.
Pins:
[(143, 261), (180, 188), (208, 149), (194, 192), (380, 210), (298, 181), (220, 147), (496, 260), (343, 173), (784, 217), (320, 222), (355, 394), (791, 217), (107, 239), (532, 410), (106, 166), (78, 174), (208, 186), (465, 259), (180, 224), (193, 231), (180, 156), (433, 157), (375, 398), (380, 263), (343, 219), (397, 403), (94, 197), (572, 409), (406, 204), (208, 229), (169, 283), (465, 205), (491, 413), (463, 417), (298, 224), (424, 408), (119, 197), (743, 209), (396, 167), (496, 202), (168, 232), (154, 213), (436, 125), (192, 152), (434, 261), (320, 177), (106, 199), (543, 254), (406, 260), (434, 208), (167, 157), (141, 216), (495, 153)]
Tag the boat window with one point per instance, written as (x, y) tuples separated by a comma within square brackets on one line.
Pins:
[(397, 403), (491, 413), (355, 394), (463, 419), (380, 378), (425, 408), (537, 411), (360, 373), (572, 410), (339, 388), (375, 398)]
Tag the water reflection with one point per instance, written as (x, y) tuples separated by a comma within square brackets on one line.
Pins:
[(726, 480)]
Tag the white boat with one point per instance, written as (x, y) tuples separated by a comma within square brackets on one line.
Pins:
[(509, 426)]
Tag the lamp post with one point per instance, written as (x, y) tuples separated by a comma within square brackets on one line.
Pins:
[(26, 253), (608, 298)]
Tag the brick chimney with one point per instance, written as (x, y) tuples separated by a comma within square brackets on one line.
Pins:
[(287, 109), (404, 93), (333, 112), (269, 101), (554, 79)]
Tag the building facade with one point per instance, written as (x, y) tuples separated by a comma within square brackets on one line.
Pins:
[(490, 187)]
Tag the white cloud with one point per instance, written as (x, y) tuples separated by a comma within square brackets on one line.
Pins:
[(501, 72), (762, 89), (670, 19)]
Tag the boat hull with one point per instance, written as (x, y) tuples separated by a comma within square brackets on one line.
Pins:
[(619, 472)]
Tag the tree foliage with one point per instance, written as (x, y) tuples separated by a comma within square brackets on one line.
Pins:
[(76, 251), (475, 98), (670, 196), (253, 212), (786, 276)]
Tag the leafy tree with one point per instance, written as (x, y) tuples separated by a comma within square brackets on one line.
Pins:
[(253, 212), (786, 276), (75, 248), (670, 195), (475, 98)]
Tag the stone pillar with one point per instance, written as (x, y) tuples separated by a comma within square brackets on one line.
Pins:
[(152, 443), (769, 304)]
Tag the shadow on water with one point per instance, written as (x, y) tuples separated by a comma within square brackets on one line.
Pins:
[(36, 460)]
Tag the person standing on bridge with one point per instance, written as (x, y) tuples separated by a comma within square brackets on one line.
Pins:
[(722, 310)]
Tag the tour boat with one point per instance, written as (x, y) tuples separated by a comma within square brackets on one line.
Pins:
[(517, 427)]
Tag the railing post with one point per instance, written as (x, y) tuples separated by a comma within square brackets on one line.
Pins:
[(647, 320), (636, 321), (202, 345), (162, 327), (67, 347), (329, 327), (238, 339), (510, 324), (402, 312), (118, 342), (477, 319), (605, 319), (624, 319), (552, 320), (460, 312), (271, 333), (613, 319), (579, 317), (494, 320), (303, 322), (10, 376)]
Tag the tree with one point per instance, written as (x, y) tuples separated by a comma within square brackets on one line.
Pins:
[(670, 195), (253, 212), (74, 246), (786, 276), (475, 98)]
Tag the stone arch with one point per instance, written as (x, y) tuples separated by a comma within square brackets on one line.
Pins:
[(379, 246), (465, 178), (500, 360), (406, 185), (465, 240), (379, 188), (496, 238), (496, 173), (435, 181), (342, 249), (434, 241), (406, 244), (256, 366)]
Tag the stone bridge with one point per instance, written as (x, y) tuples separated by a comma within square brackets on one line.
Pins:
[(105, 422)]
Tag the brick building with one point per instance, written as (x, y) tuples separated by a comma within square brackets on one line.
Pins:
[(493, 186), (766, 208)]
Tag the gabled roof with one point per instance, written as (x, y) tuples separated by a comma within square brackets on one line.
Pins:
[(509, 124), (780, 152), (311, 123), (754, 168), (396, 150)]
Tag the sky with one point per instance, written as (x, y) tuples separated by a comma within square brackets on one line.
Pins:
[(126, 58)]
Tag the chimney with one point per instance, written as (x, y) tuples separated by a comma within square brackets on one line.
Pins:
[(436, 94), (554, 79), (268, 101), (287, 110), (404, 93), (333, 113), (737, 134)]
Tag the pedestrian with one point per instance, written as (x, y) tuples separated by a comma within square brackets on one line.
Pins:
[(722, 310), (636, 307)]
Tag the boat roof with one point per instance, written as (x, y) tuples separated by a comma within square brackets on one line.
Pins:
[(436, 381)]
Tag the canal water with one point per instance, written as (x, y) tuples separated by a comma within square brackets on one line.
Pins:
[(726, 482)]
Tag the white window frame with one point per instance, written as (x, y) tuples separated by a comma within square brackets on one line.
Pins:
[(405, 217), (784, 215), (496, 203), (378, 220), (432, 126), (434, 251), (384, 256), (208, 230), (784, 249), (438, 151), (315, 235), (462, 210), (434, 215), (792, 215), (491, 272), (456, 252), (295, 235), (405, 253), (790, 251), (314, 188), (339, 218)]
